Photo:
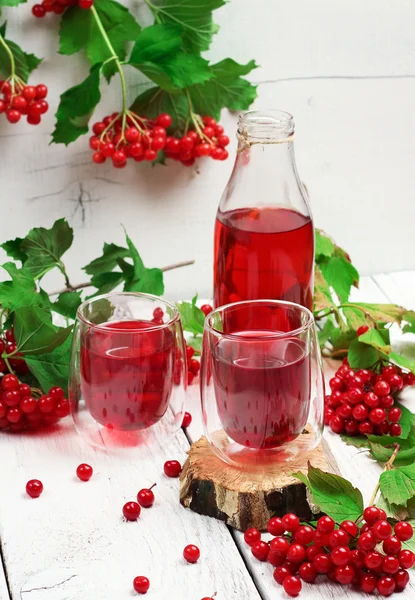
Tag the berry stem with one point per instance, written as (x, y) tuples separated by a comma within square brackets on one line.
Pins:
[(114, 55), (6, 360), (12, 63), (387, 467)]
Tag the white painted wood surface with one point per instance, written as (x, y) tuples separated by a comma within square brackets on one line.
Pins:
[(72, 543), (345, 69)]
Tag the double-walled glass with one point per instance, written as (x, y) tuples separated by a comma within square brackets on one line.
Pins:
[(128, 376), (262, 384)]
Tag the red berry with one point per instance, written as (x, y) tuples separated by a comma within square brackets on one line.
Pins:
[(386, 586), (28, 405), (34, 488), (11, 398), (164, 120), (304, 535), (340, 555), (381, 388), (404, 531), (206, 309), (373, 560), (150, 154), (291, 522), (337, 424), (351, 427), (132, 135), (392, 546), (280, 546), (190, 378), (336, 384), (3, 410), (251, 536), (344, 575), (24, 389), (382, 530), (367, 541), (371, 400), (360, 412), (390, 565), (307, 572), (275, 526), (14, 415), (33, 119), (98, 158), (9, 382), (406, 559), (84, 472), (119, 157), (223, 140), (41, 91), (401, 579), (275, 559), (186, 143), (292, 585), (350, 527), (141, 584), (280, 573), (145, 497), (394, 415), (322, 563), (131, 511), (191, 553), (368, 583), (98, 127), (296, 553), (377, 416), (325, 524), (46, 404), (345, 411), (395, 430), (371, 514), (395, 381), (362, 329), (338, 538), (355, 396), (38, 11), (172, 468), (187, 419), (189, 352)]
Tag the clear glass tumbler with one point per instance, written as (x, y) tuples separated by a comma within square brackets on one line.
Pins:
[(262, 385), (128, 376)]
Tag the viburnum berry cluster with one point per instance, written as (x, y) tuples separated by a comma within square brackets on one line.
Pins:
[(58, 6), (17, 99), (122, 136), (362, 402), (21, 407), (370, 556)]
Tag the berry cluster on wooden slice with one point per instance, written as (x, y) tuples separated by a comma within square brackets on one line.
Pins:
[(370, 556), (123, 136), (18, 99), (58, 7), (362, 402)]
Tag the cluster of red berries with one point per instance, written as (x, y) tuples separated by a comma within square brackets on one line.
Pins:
[(208, 140), (58, 6), (362, 402), (20, 410), (8, 347), (347, 554), (134, 137), (17, 99)]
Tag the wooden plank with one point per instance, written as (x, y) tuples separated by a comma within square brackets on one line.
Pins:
[(72, 543), (398, 287), (353, 464), (4, 592)]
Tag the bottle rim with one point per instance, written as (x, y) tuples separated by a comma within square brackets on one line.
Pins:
[(266, 124)]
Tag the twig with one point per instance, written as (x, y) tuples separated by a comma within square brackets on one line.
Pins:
[(387, 467), (80, 286)]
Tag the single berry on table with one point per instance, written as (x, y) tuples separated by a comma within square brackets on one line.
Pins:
[(131, 511), (191, 553), (187, 419), (292, 585), (172, 468), (34, 487), (251, 536), (84, 472), (141, 584), (145, 497)]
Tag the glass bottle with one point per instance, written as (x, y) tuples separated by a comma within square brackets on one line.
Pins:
[(264, 235)]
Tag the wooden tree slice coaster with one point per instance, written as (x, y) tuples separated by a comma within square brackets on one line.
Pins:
[(243, 498)]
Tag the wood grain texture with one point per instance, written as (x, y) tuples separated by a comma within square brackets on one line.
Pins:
[(73, 544), (4, 593)]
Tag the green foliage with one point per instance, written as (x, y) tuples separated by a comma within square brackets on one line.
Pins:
[(191, 316), (45, 247), (25, 63)]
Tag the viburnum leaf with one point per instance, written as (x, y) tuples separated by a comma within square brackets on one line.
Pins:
[(24, 63), (75, 108), (358, 442), (79, 29), (106, 282), (341, 339), (326, 332), (374, 338), (34, 331), (67, 304), (108, 261), (392, 511), (334, 495), (191, 316), (341, 275), (409, 317), (402, 361), (322, 295), (21, 290), (13, 249), (45, 247), (227, 88), (324, 245), (155, 101), (11, 2), (194, 16), (51, 368), (405, 456), (398, 485), (151, 282), (139, 267), (361, 356)]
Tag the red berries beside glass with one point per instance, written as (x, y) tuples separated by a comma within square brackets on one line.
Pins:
[(363, 402), (58, 6), (343, 552), (18, 99), (34, 488)]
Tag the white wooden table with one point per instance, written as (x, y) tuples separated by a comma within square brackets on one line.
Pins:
[(72, 543)]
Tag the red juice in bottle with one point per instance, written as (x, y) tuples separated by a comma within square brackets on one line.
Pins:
[(127, 373), (262, 387), (263, 253)]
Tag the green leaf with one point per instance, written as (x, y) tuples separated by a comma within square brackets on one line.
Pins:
[(11, 2), (358, 442), (409, 317), (341, 339), (79, 30), (324, 245), (196, 343), (193, 16), (326, 332), (13, 249), (75, 108), (155, 101), (108, 261), (21, 290), (383, 313), (227, 89), (106, 282), (139, 268), (151, 282), (361, 356), (45, 247), (34, 331), (392, 511), (52, 368), (67, 304), (24, 63), (374, 338), (334, 495), (402, 361), (191, 316), (341, 275), (323, 298), (398, 485), (406, 454)]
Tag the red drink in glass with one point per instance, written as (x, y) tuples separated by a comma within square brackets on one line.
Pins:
[(127, 373), (263, 253), (262, 387)]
